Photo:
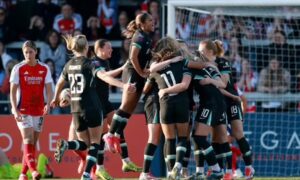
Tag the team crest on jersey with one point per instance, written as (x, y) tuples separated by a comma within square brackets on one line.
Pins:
[(96, 63), (26, 73), (140, 37), (41, 72)]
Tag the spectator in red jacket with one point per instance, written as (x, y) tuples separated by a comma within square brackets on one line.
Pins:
[(67, 21)]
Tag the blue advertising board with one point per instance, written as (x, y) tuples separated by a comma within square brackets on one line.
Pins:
[(275, 141)]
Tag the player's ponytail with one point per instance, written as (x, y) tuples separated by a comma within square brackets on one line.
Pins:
[(77, 43), (130, 30), (219, 48), (135, 24)]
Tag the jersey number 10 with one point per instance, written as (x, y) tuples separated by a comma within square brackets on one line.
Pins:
[(76, 83)]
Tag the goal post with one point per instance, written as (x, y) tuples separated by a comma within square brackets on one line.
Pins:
[(172, 4)]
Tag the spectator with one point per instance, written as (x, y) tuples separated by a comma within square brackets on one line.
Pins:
[(67, 21), (183, 28), (106, 11), (219, 26), (280, 49), (93, 30), (248, 79), (6, 32), (274, 80), (2, 74), (4, 57), (47, 10), (247, 83), (124, 51), (116, 32), (4, 89), (154, 11), (144, 6), (37, 30), (51, 64), (234, 54), (54, 49), (77, 32), (278, 25)]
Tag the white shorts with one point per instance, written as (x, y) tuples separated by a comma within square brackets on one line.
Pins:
[(31, 121)]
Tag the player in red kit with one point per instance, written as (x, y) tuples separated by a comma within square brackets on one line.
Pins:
[(28, 80)]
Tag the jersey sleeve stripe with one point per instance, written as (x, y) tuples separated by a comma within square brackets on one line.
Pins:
[(225, 72), (197, 77), (187, 73), (100, 69), (137, 45)]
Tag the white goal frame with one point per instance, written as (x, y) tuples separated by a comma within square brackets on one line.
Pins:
[(172, 4)]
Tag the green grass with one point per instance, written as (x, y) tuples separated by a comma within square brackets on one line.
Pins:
[(256, 178)]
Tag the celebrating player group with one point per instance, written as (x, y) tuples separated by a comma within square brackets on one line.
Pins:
[(167, 74)]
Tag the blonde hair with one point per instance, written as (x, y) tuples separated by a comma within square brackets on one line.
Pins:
[(166, 48), (76, 43), (29, 44), (214, 46), (220, 48)]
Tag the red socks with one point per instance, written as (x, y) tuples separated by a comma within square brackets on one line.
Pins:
[(29, 150)]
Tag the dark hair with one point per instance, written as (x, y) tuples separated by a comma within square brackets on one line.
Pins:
[(281, 32), (54, 69), (166, 48), (100, 43), (50, 32), (135, 24)]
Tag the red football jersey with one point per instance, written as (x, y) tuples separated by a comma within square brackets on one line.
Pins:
[(31, 81), (66, 26)]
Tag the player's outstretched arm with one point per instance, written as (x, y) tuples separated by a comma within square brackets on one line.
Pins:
[(157, 66)]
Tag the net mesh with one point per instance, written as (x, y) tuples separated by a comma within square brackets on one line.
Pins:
[(262, 45)]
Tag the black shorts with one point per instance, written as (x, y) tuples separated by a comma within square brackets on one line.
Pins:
[(130, 75), (152, 110), (107, 108), (211, 116), (88, 119), (174, 112), (234, 112)]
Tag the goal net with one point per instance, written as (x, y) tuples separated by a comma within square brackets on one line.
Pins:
[(262, 43)]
